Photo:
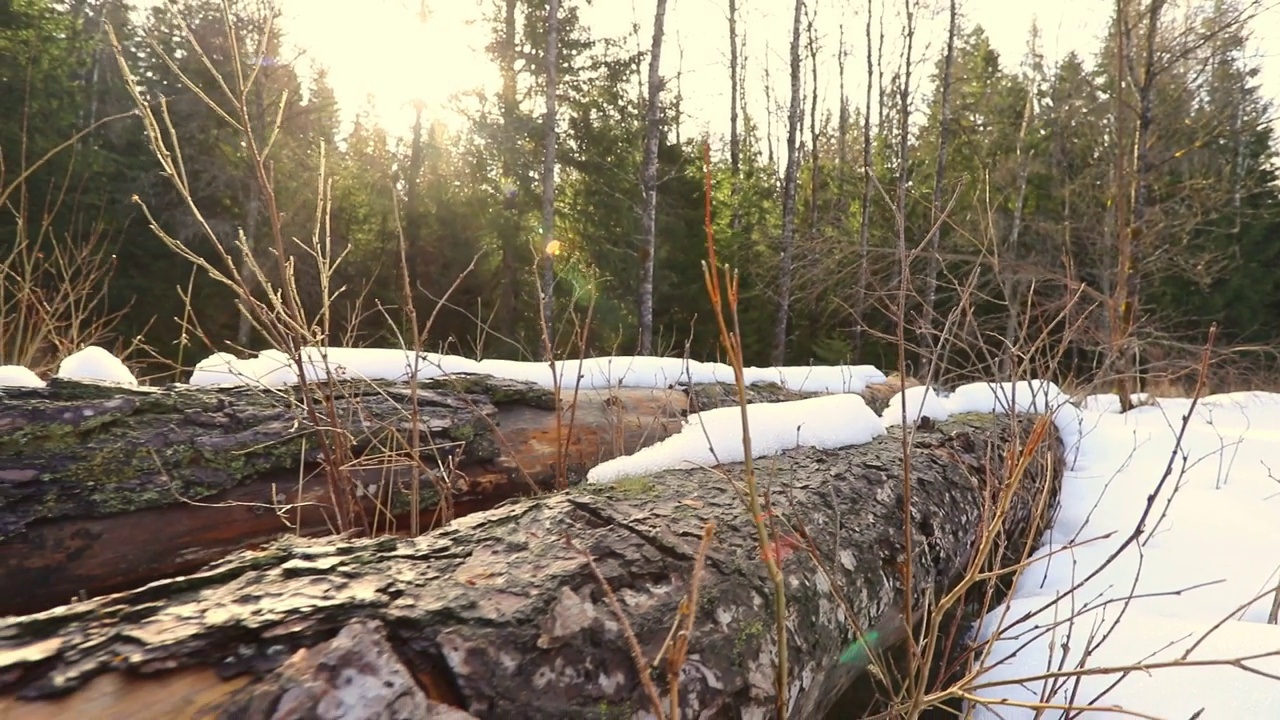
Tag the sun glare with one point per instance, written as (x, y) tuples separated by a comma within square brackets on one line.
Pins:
[(385, 58)]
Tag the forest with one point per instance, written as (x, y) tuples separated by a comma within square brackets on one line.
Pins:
[(172, 181)]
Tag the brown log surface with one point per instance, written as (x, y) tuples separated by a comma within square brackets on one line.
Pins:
[(104, 488), (497, 614)]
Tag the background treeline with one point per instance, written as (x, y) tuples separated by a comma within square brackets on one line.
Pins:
[(1078, 211)]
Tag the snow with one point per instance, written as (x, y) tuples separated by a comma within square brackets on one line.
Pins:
[(19, 376), (95, 363), (1200, 580), (273, 368), (715, 436), (920, 402)]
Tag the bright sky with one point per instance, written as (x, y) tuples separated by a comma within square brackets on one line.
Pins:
[(387, 52)]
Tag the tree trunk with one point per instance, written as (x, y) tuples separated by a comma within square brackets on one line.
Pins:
[(509, 222), (934, 268), (649, 181), (1010, 275), (504, 616), (248, 274), (864, 207), (1144, 169), (900, 210), (814, 128), (546, 275), (735, 140), (779, 354)]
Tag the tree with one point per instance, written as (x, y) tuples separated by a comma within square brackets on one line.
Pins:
[(789, 193), (649, 181), (939, 178), (547, 262)]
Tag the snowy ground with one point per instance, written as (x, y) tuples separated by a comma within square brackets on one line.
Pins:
[(1190, 600)]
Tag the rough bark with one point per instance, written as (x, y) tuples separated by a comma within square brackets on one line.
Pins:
[(789, 182), (502, 616), (649, 181), (103, 488)]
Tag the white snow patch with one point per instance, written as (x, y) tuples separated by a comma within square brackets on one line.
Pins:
[(19, 376), (920, 402), (715, 436), (95, 363), (1202, 575), (273, 368)]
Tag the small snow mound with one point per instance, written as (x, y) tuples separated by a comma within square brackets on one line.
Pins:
[(1026, 396), (827, 379), (920, 402), (217, 369), (715, 436), (96, 363), (19, 376)]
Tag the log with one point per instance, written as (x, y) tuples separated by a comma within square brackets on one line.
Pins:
[(500, 613), (104, 488)]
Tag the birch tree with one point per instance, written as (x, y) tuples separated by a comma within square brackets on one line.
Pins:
[(649, 181)]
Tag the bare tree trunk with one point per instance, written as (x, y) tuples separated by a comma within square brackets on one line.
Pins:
[(1120, 289), (814, 156), (546, 276), (735, 142), (1144, 163), (1012, 282), (881, 121), (842, 122), (864, 204), (789, 197), (939, 178), (250, 276), (900, 207), (649, 182), (509, 226), (768, 113)]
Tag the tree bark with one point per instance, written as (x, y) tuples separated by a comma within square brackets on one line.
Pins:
[(649, 181), (787, 244), (503, 615), (104, 489)]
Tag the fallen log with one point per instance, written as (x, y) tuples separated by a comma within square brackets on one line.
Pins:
[(104, 488), (501, 614)]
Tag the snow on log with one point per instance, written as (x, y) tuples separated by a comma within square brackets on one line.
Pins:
[(499, 613)]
